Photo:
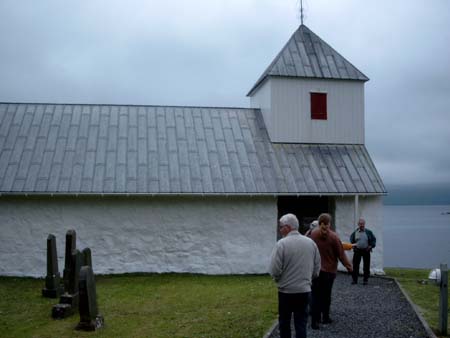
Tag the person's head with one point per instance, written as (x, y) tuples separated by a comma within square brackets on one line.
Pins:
[(287, 223), (314, 224), (324, 224), (361, 224)]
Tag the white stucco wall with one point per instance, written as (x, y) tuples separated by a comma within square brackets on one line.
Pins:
[(371, 209), (211, 235)]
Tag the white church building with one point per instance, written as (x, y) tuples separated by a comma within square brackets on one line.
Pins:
[(190, 189)]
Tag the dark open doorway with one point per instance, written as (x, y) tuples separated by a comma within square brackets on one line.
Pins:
[(306, 208)]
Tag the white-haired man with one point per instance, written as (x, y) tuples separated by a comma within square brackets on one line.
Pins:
[(295, 261)]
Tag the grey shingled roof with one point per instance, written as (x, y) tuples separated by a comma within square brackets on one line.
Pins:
[(99, 149), (308, 56)]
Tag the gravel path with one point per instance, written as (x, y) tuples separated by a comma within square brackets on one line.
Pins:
[(375, 310)]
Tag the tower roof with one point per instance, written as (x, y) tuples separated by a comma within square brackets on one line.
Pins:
[(306, 55)]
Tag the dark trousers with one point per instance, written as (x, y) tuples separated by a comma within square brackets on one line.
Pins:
[(321, 296), (288, 304), (357, 254)]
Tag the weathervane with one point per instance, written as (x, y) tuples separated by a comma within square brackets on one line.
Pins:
[(301, 11)]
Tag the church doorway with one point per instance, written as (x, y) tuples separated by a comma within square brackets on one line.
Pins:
[(306, 208)]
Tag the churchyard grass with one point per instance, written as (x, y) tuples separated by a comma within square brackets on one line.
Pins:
[(148, 305), (421, 291)]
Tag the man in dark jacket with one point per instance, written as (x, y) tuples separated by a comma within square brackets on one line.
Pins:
[(365, 241)]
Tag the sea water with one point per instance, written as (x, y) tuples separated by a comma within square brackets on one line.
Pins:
[(416, 236)]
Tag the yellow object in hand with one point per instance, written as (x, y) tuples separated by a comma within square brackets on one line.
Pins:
[(347, 246)]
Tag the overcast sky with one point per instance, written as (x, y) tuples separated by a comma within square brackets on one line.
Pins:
[(211, 52)]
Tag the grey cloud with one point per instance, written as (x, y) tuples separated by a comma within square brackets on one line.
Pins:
[(212, 52)]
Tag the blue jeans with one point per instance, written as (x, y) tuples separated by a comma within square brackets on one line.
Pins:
[(288, 304)]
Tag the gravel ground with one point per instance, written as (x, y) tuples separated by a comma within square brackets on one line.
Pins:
[(375, 310)]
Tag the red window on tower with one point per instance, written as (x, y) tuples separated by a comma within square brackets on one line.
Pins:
[(318, 106)]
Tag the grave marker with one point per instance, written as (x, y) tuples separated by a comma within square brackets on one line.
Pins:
[(87, 257), (71, 244), (53, 287), (69, 300), (90, 319)]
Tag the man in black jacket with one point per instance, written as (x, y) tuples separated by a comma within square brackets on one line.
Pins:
[(365, 241)]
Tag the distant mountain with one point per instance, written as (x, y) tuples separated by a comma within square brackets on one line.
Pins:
[(420, 194)]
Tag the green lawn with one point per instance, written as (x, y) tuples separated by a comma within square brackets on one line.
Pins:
[(425, 296), (174, 305), (150, 305)]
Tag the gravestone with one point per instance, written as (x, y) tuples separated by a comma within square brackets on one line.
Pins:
[(53, 287), (69, 300), (87, 257), (90, 319), (71, 244)]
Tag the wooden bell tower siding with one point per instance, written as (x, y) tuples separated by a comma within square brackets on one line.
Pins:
[(190, 189)]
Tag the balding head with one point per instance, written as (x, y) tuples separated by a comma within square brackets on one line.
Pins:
[(361, 224)]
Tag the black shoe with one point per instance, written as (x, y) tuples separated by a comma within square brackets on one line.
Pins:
[(354, 282), (365, 282), (327, 320)]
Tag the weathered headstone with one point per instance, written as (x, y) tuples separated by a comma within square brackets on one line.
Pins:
[(69, 300), (53, 287), (71, 244), (90, 319), (87, 257)]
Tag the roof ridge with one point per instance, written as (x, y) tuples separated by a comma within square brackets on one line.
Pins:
[(125, 105), (339, 54), (277, 57)]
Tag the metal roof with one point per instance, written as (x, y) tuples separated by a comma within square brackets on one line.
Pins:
[(102, 149), (308, 56)]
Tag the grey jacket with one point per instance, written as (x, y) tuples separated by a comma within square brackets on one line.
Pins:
[(295, 261)]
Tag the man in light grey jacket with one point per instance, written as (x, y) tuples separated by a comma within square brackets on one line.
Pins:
[(294, 263)]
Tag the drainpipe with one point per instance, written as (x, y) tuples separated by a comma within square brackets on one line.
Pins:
[(356, 214)]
